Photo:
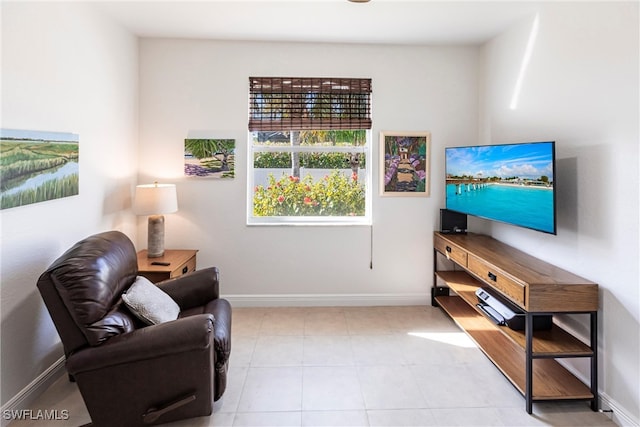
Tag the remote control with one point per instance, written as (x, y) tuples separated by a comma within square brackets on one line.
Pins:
[(160, 263)]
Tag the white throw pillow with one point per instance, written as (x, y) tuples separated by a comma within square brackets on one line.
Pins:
[(150, 303)]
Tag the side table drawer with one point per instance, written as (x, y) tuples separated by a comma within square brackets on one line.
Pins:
[(187, 267), (497, 279), (174, 263), (451, 251)]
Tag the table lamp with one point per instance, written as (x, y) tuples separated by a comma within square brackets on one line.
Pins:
[(154, 200)]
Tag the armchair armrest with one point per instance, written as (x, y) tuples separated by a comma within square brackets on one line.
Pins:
[(193, 289), (193, 333)]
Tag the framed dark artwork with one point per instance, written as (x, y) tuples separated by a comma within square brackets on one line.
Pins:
[(404, 164)]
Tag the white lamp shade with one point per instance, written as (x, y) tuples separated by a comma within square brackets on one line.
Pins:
[(155, 199)]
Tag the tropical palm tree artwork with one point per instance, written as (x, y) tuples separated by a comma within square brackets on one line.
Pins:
[(209, 158)]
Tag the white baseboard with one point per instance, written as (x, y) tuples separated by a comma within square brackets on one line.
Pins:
[(618, 414), (35, 388), (319, 300)]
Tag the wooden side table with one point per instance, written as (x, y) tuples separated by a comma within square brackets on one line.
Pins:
[(180, 261)]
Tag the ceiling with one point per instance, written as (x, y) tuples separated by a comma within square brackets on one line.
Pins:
[(334, 21)]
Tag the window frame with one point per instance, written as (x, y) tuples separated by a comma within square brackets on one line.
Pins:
[(288, 104)]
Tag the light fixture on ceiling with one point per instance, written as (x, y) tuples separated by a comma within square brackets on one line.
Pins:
[(359, 1)]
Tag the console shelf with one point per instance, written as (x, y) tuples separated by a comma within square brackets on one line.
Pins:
[(550, 380), (527, 358), (555, 342)]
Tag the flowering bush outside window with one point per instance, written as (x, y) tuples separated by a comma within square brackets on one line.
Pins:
[(309, 177), (333, 195)]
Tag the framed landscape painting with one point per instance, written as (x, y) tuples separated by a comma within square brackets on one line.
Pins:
[(37, 166), (404, 163), (209, 158)]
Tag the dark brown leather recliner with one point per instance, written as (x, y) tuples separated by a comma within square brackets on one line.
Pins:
[(128, 373)]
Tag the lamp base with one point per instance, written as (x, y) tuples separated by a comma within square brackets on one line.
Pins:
[(155, 236)]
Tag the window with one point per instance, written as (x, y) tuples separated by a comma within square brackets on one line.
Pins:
[(309, 151)]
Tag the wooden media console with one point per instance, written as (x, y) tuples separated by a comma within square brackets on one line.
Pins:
[(528, 358)]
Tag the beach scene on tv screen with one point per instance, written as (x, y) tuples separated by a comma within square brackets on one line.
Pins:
[(508, 183)]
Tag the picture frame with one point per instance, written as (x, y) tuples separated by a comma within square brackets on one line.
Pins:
[(209, 158), (405, 157), (38, 166)]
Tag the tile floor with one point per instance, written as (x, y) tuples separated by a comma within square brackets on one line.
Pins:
[(354, 366)]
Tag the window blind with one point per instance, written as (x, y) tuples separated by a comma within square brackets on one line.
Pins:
[(309, 103)]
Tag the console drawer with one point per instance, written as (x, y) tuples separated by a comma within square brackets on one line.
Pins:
[(497, 279), (451, 251)]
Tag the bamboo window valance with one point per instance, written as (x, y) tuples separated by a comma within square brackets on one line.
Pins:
[(305, 103)]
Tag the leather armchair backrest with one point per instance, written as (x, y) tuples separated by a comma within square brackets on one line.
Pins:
[(82, 290)]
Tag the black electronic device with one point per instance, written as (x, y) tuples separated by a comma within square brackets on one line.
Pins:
[(504, 312), (452, 222)]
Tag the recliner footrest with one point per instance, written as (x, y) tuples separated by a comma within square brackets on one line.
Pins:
[(153, 414)]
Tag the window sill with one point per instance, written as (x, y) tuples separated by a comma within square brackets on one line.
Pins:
[(308, 221)]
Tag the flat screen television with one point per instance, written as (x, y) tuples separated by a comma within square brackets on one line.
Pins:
[(509, 183)]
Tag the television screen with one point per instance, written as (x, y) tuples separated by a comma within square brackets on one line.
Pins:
[(511, 183)]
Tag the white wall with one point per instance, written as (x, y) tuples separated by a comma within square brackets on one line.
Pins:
[(199, 85), (63, 69), (580, 88)]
